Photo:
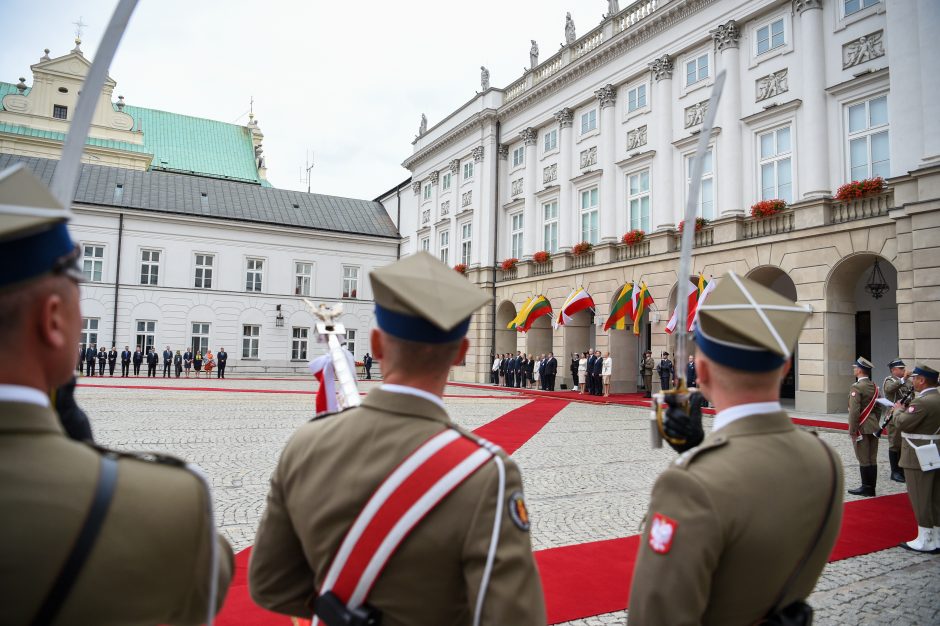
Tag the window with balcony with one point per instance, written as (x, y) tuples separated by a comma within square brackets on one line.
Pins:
[(550, 226), (516, 224), (868, 139), (590, 216), (706, 197), (638, 200), (776, 171), (465, 242), (443, 240)]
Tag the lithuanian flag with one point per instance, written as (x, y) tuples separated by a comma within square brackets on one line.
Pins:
[(621, 309), (537, 308), (643, 301), (515, 321)]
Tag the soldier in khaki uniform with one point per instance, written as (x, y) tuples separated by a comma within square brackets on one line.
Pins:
[(649, 364), (864, 426), (896, 386), (919, 424), (149, 556), (724, 511), (332, 466)]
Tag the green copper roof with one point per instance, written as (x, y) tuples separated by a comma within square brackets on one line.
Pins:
[(6, 88), (14, 129)]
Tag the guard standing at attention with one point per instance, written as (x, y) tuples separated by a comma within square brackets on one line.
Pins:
[(666, 372), (864, 426), (725, 509), (90, 536), (649, 364), (897, 387), (468, 559)]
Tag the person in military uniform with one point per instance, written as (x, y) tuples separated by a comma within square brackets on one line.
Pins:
[(864, 427), (649, 364), (666, 372), (724, 509), (919, 425), (331, 467), (149, 549), (896, 387)]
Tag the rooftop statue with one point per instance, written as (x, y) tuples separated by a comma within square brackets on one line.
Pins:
[(613, 7), (423, 128), (484, 78), (533, 54), (569, 30)]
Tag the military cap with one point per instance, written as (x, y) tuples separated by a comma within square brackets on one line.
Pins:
[(863, 363), (927, 372), (746, 326), (896, 363), (420, 299), (34, 238)]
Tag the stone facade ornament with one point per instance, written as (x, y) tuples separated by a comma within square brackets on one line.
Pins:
[(21, 86), (726, 36), (570, 34), (589, 157), (607, 96), (565, 118), (517, 187), (530, 136), (445, 208), (466, 199), (661, 68), (416, 187), (454, 166), (433, 176), (772, 85), (613, 8), (503, 152), (636, 138), (477, 154), (45, 56), (550, 173), (533, 55), (863, 49), (484, 78), (695, 114), (805, 5), (425, 217), (423, 127)]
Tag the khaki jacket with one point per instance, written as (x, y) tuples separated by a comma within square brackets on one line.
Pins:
[(150, 564), (648, 366), (747, 504), (921, 417), (327, 473), (861, 394), (894, 388)]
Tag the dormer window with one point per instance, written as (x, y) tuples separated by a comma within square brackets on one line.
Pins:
[(60, 112), (63, 90)]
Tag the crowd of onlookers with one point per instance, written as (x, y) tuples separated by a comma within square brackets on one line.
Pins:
[(93, 360), (589, 370)]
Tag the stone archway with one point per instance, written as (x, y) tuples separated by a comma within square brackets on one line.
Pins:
[(538, 340), (505, 338), (777, 280), (626, 354), (579, 335)]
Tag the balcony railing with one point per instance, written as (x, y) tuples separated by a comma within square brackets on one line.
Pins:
[(701, 238), (861, 208), (636, 251), (587, 43), (509, 274), (585, 259), (774, 225), (633, 14), (540, 269)]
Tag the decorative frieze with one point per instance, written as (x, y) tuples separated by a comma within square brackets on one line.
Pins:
[(466, 199), (445, 208), (416, 187), (695, 114), (454, 166), (477, 154), (565, 118), (425, 217), (805, 5), (589, 157), (550, 173), (517, 187), (503, 152), (433, 177), (636, 138), (726, 36), (606, 96), (661, 68), (772, 85), (530, 136), (863, 49)]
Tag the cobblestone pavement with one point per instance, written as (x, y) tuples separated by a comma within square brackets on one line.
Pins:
[(588, 474)]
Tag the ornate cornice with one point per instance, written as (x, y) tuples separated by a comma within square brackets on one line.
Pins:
[(529, 136), (474, 123), (799, 6), (606, 96), (565, 117), (661, 68), (726, 36)]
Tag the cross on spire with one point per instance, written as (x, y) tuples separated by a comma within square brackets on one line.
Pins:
[(79, 25)]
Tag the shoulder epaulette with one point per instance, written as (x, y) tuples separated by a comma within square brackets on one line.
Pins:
[(686, 458), (157, 458), (327, 414)]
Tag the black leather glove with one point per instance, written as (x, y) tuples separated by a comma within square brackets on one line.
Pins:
[(679, 425)]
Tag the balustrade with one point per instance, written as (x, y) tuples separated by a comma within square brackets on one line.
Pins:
[(861, 208), (774, 225), (636, 251), (585, 259)]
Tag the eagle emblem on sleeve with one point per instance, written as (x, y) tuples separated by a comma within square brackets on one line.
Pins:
[(662, 532)]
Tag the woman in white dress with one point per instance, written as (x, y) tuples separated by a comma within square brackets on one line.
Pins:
[(582, 372), (605, 372), (535, 372)]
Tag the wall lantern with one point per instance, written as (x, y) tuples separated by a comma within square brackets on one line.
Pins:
[(876, 285), (279, 320)]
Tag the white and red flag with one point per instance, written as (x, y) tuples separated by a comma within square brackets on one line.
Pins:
[(577, 301), (696, 298)]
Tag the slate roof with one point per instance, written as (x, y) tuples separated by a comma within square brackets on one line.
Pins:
[(168, 192)]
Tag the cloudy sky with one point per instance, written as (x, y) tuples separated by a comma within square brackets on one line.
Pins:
[(345, 80)]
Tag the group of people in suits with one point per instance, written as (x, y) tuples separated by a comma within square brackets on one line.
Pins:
[(91, 358), (591, 372), (524, 371)]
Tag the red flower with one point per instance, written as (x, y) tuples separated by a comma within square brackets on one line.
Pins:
[(766, 208), (700, 223), (581, 248), (861, 188), (634, 237), (541, 256), (509, 264), (460, 268)]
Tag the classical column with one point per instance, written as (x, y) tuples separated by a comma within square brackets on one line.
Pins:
[(607, 98), (502, 228), (730, 191), (567, 224), (478, 190), (906, 113), (813, 164), (433, 177), (663, 206), (530, 213), (928, 21)]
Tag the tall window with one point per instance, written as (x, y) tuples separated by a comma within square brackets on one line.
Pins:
[(638, 199), (444, 245), (199, 339), (92, 262), (251, 339), (60, 112), (427, 191), (298, 346), (303, 278), (770, 36), (89, 331), (696, 70), (706, 198), (146, 335), (588, 121), (203, 277), (468, 170), (550, 140), (149, 267), (515, 235), (351, 341), (426, 244), (868, 139), (465, 241), (776, 172), (350, 281), (518, 156), (590, 220), (636, 98), (445, 181), (550, 226), (254, 271), (853, 6)]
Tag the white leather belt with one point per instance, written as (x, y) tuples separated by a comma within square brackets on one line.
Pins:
[(916, 436)]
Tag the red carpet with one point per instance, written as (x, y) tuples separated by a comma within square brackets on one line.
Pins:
[(514, 428)]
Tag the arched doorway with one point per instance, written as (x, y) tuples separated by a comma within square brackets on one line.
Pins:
[(505, 338), (780, 282), (579, 335), (539, 338), (627, 357)]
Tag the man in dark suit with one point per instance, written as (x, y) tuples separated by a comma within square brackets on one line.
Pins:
[(102, 359), (112, 359), (502, 367), (520, 370), (167, 361), (81, 359), (540, 364), (589, 373), (91, 353), (125, 361), (551, 369), (511, 371), (596, 373), (152, 361), (222, 359), (138, 359)]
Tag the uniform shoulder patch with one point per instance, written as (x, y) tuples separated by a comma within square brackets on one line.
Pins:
[(686, 458), (518, 512), (662, 532)]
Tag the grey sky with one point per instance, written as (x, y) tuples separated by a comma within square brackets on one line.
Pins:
[(347, 80)]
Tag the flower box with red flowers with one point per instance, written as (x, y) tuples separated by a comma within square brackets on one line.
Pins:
[(860, 189), (634, 237), (767, 208), (460, 268), (581, 248), (700, 223), (509, 264), (541, 256)]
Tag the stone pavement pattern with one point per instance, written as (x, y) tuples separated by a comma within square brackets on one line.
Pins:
[(588, 475)]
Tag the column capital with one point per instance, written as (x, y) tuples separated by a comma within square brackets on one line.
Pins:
[(661, 68), (726, 36), (416, 187), (503, 152), (606, 95), (454, 166), (433, 177), (529, 136), (565, 117), (477, 154), (800, 6)]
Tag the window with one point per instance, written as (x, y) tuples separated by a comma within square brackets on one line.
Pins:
[(638, 200), (518, 156), (350, 281), (351, 341), (118, 193), (550, 226), (200, 337), (515, 235), (149, 267), (706, 198), (303, 278), (854, 6), (89, 331), (445, 182), (465, 240), (298, 346), (444, 245), (590, 226), (636, 98), (468, 170), (776, 172), (588, 121), (426, 244), (550, 140), (696, 70), (868, 139), (770, 36), (60, 112), (92, 262), (427, 191), (203, 277), (146, 335), (254, 270), (251, 338)]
